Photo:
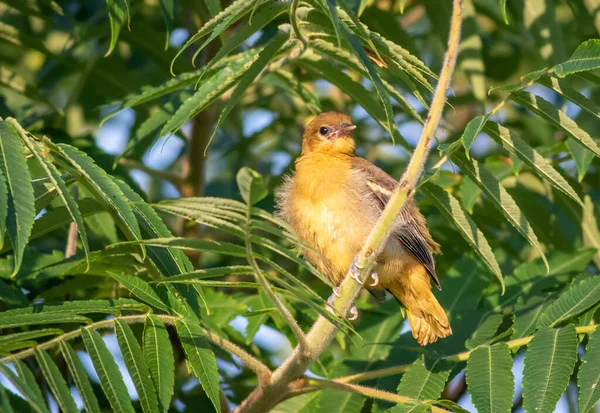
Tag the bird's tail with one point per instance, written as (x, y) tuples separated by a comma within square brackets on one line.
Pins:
[(426, 316)]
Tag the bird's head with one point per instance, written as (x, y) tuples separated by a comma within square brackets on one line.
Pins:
[(329, 132)]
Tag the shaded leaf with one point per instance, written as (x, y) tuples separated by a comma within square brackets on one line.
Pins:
[(56, 382), (117, 10), (426, 378), (588, 378), (251, 185), (158, 353), (573, 301), (80, 378), (549, 361)]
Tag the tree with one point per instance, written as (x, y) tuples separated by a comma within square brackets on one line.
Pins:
[(143, 266)]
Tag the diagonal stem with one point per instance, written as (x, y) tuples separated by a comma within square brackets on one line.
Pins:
[(322, 333)]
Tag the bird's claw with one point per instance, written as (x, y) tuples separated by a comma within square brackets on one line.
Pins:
[(355, 273), (355, 270), (336, 290), (375, 279), (353, 313), (330, 304)]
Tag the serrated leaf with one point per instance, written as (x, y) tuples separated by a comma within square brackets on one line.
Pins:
[(21, 210), (141, 289), (266, 55), (108, 372), (500, 198), (28, 335), (305, 403), (36, 402), (450, 207), (208, 91), (426, 378), (251, 185), (204, 273), (573, 301), (588, 378), (556, 117), (56, 382), (80, 378), (117, 10), (549, 362), (201, 358), (586, 57), (40, 319), (190, 244), (518, 147), (60, 186), (217, 25), (158, 353), (490, 378), (103, 187), (473, 129), (562, 88), (3, 206), (136, 364)]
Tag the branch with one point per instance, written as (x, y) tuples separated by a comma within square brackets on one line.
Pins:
[(392, 371), (252, 363), (71, 248), (319, 384), (322, 333)]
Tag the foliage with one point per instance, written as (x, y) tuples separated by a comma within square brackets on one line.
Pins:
[(128, 267)]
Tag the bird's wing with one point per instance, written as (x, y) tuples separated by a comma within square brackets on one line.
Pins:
[(377, 187)]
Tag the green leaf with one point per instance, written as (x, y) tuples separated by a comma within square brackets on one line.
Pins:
[(549, 362), (588, 378), (191, 244), (103, 187), (167, 8), (80, 378), (108, 372), (39, 319), (502, 6), (117, 10), (59, 184), (586, 57), (470, 57), (158, 353), (490, 378), (204, 273), (209, 90), (136, 364), (562, 88), (21, 210), (500, 198), (56, 382), (518, 147), (30, 395), (472, 130), (451, 209), (305, 403), (201, 358), (251, 185), (28, 335), (217, 25), (583, 158), (573, 301), (266, 55), (141, 289), (426, 378), (334, 401), (3, 207), (556, 117)]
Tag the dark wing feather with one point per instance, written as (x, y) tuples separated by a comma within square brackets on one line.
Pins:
[(410, 231)]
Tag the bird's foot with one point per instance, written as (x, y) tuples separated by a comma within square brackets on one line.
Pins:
[(353, 313), (355, 270), (355, 273), (336, 290)]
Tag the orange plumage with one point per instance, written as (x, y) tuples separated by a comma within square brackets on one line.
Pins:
[(333, 201)]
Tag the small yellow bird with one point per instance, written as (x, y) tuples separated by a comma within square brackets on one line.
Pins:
[(333, 201)]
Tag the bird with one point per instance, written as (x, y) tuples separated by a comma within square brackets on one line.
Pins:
[(334, 198)]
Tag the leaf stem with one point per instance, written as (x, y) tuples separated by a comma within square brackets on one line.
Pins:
[(365, 391), (295, 27), (392, 371), (252, 363), (322, 333)]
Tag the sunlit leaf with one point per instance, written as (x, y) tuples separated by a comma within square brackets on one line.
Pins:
[(158, 354), (572, 302), (588, 378), (586, 57)]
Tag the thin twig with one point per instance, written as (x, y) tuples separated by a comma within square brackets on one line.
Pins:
[(295, 27), (392, 371), (252, 363), (322, 333), (366, 391), (71, 248), (266, 287)]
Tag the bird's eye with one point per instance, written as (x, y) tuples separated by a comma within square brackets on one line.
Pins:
[(323, 130)]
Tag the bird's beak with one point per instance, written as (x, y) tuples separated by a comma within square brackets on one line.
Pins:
[(345, 130)]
